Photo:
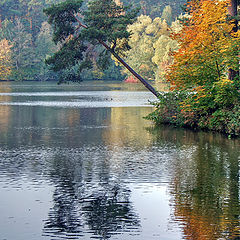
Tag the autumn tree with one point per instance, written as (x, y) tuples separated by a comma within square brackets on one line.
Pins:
[(209, 45), (5, 60), (145, 33), (163, 46)]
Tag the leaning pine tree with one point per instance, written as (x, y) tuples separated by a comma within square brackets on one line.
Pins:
[(79, 31)]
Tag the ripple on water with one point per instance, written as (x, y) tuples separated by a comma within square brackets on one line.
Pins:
[(98, 173), (91, 197)]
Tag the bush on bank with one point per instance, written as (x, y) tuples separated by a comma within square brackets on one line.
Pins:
[(215, 107)]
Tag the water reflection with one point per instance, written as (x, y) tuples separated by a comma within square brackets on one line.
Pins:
[(5, 111), (127, 127), (205, 183), (86, 199), (106, 173)]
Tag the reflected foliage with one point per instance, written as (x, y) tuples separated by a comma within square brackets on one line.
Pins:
[(90, 155), (205, 183)]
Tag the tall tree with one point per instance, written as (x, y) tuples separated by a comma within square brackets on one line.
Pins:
[(232, 11), (105, 23), (44, 47), (23, 55)]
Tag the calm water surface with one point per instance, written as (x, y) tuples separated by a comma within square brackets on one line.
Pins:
[(80, 162)]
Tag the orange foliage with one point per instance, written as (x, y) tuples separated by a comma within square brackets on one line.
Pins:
[(131, 79), (207, 45)]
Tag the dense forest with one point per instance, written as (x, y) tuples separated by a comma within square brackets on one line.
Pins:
[(26, 41)]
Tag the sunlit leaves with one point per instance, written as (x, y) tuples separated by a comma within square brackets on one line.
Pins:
[(207, 45), (150, 46), (5, 60)]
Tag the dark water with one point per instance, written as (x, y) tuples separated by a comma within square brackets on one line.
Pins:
[(80, 162)]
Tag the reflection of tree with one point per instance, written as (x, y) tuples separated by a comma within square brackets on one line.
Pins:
[(36, 125), (108, 215), (133, 122), (5, 111), (85, 201), (205, 184), (64, 218)]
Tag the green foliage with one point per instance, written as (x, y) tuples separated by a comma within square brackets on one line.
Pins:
[(225, 93), (61, 16), (28, 54), (44, 47), (108, 21), (9, 8), (144, 32), (23, 53), (226, 120), (71, 52), (154, 8), (216, 108), (167, 108), (80, 35), (24, 25)]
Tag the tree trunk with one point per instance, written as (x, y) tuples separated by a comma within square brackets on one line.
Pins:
[(232, 11), (142, 80), (232, 8)]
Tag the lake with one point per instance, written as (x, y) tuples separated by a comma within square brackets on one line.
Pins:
[(79, 161)]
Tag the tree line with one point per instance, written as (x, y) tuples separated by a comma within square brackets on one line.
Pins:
[(197, 53), (24, 28)]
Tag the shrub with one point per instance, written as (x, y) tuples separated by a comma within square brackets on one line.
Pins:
[(168, 109), (215, 108)]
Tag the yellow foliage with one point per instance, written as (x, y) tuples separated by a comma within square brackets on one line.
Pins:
[(5, 51), (207, 44), (150, 44)]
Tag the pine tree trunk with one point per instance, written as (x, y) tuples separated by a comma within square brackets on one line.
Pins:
[(142, 80), (232, 11)]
